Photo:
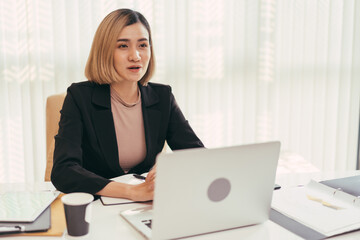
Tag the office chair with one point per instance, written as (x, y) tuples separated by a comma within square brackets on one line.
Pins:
[(53, 106)]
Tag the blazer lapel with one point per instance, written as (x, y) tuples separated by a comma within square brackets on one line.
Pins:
[(152, 119), (104, 126)]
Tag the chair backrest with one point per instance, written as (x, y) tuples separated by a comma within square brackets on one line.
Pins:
[(53, 106)]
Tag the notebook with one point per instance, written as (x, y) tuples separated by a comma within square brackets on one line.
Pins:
[(200, 191)]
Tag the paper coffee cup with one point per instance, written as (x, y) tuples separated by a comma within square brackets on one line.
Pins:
[(77, 208)]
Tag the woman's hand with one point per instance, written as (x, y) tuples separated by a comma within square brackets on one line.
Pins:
[(140, 192), (152, 174), (143, 191)]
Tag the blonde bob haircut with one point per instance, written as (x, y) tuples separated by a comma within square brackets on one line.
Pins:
[(100, 64)]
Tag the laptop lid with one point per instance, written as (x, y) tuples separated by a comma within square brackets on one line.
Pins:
[(206, 190), (42, 223), (24, 206)]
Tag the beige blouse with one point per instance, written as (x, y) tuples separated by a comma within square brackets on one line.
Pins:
[(129, 128)]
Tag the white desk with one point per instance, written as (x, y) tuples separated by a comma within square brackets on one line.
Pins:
[(107, 223)]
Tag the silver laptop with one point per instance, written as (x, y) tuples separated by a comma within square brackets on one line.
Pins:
[(200, 191)]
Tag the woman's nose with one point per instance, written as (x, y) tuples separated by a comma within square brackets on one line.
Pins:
[(134, 55)]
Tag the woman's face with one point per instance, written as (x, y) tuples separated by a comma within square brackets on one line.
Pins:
[(132, 53)]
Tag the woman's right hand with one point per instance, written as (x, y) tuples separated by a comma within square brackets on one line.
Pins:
[(143, 191)]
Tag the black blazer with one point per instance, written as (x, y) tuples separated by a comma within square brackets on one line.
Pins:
[(86, 152)]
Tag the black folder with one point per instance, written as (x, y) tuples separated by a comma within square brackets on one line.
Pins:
[(41, 224)]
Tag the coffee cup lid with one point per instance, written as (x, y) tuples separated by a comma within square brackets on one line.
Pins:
[(78, 198)]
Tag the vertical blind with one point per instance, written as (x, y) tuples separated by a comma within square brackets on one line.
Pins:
[(242, 71)]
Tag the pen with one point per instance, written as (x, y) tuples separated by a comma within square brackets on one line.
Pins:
[(139, 176)]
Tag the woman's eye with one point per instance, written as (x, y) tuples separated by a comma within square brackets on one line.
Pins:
[(122, 46), (144, 45)]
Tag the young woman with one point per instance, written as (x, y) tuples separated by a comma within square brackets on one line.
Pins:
[(117, 122)]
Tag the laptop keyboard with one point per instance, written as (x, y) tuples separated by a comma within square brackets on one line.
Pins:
[(147, 222)]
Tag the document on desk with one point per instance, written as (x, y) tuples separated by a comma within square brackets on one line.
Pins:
[(129, 179), (327, 210), (24, 206)]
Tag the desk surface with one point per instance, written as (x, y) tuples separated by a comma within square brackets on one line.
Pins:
[(107, 223)]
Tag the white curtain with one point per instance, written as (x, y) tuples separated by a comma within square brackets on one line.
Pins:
[(242, 71)]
